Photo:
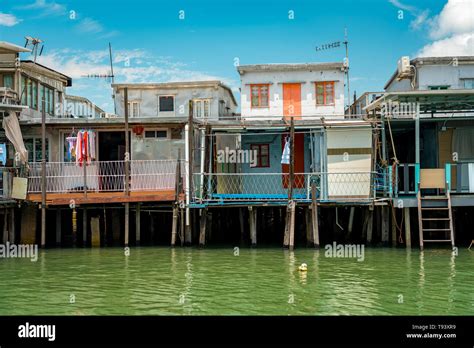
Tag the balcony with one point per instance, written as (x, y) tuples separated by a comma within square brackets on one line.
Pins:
[(104, 181), (224, 188)]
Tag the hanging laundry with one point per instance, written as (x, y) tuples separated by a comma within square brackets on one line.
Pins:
[(3, 153), (91, 138), (79, 149), (71, 148), (285, 156), (85, 147)]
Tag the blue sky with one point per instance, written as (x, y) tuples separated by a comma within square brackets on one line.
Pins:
[(151, 43)]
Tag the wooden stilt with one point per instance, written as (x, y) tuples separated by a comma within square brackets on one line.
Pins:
[(370, 224), (291, 244), (174, 228), (127, 224), (202, 229), (385, 222), (74, 227), (286, 237), (253, 225), (314, 216), (138, 224), (309, 227), (351, 222), (5, 226), (58, 227), (188, 228), (84, 226), (181, 230), (394, 227), (407, 227), (242, 225), (152, 228), (12, 225)]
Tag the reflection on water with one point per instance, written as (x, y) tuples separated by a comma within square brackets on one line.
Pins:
[(188, 281)]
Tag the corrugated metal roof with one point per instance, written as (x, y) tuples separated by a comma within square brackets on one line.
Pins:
[(242, 69)]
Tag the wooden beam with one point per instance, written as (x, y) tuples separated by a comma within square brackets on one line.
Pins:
[(43, 174), (253, 225), (58, 227), (385, 222), (138, 223), (202, 230), (127, 224), (406, 211), (174, 227), (314, 216), (370, 224), (393, 213), (12, 225), (5, 226), (351, 222), (291, 244), (84, 226)]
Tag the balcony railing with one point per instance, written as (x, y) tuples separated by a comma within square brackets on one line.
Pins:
[(104, 176), (358, 186)]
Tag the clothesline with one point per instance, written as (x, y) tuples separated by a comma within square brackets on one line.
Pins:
[(81, 147)]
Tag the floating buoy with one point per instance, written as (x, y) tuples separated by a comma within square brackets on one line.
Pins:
[(303, 267)]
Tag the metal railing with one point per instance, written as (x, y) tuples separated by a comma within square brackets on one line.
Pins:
[(274, 186), (104, 176)]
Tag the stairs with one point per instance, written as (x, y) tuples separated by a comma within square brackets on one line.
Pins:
[(435, 222)]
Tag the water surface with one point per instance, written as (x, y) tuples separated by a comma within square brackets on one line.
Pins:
[(190, 281)]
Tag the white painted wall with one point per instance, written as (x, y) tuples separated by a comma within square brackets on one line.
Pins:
[(148, 100), (436, 75), (308, 93)]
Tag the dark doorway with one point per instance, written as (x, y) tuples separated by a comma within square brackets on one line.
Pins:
[(111, 146)]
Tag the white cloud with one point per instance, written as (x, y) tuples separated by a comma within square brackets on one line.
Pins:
[(457, 17), (456, 45), (8, 20), (89, 25), (452, 31), (46, 8)]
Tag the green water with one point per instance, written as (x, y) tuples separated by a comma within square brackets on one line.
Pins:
[(164, 281)]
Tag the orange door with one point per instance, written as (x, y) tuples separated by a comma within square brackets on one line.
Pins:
[(298, 181), (292, 100)]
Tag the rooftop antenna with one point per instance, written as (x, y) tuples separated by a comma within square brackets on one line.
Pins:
[(337, 44), (34, 44), (109, 76)]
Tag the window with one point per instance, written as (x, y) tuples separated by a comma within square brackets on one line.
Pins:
[(468, 83), (166, 103), (48, 95), (8, 81), (29, 92), (435, 88), (134, 109), (325, 93), (201, 108), (263, 154), (156, 134), (259, 96), (33, 145)]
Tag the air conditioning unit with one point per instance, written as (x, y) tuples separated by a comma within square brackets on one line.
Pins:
[(404, 66)]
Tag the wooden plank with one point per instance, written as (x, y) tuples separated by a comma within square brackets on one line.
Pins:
[(432, 179), (385, 222), (253, 226), (95, 232), (104, 197)]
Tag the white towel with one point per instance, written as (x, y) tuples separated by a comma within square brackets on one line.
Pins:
[(285, 156)]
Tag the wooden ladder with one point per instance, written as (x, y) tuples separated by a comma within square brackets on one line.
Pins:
[(424, 217)]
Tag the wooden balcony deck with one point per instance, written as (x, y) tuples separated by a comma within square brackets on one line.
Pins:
[(103, 197)]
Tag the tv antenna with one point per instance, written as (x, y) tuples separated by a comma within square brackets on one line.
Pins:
[(34, 44), (109, 76), (337, 44)]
